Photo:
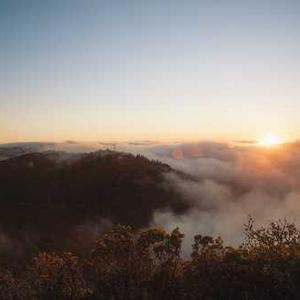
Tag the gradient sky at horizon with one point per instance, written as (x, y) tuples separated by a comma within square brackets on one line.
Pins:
[(162, 70)]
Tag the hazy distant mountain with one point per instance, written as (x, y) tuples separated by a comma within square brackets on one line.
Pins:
[(17, 149)]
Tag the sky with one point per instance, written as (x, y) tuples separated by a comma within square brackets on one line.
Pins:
[(149, 70)]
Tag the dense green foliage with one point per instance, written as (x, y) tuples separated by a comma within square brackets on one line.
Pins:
[(147, 264)]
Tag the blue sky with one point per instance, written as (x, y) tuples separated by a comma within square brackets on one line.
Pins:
[(162, 70)]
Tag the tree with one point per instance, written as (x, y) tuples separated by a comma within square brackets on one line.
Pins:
[(57, 276)]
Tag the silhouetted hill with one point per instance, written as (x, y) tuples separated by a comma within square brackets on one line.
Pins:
[(47, 196)]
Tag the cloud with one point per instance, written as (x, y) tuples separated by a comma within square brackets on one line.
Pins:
[(225, 184), (222, 183)]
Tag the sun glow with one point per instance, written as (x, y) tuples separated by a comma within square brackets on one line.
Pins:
[(270, 140)]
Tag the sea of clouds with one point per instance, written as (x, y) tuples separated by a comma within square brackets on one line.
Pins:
[(229, 183), (223, 183)]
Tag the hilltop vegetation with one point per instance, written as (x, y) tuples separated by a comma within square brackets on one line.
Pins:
[(54, 200), (127, 264)]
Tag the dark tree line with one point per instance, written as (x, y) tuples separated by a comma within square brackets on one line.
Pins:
[(147, 264), (44, 197)]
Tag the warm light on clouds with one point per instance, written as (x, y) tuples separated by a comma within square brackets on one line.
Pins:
[(270, 140)]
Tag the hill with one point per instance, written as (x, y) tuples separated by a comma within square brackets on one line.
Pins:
[(54, 200)]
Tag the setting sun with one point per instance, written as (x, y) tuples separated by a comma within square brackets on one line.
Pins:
[(270, 140)]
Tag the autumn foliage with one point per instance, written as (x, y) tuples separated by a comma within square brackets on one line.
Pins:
[(148, 264)]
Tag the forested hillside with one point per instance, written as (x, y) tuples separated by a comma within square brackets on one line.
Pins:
[(55, 200), (127, 264), (76, 226)]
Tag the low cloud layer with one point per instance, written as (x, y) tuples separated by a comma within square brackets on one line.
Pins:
[(223, 183), (227, 183)]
